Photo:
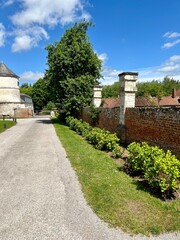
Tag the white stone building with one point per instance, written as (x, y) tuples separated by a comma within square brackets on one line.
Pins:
[(10, 97)]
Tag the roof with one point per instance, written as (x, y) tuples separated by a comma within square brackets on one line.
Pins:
[(128, 73), (6, 72), (143, 102), (25, 95), (110, 102)]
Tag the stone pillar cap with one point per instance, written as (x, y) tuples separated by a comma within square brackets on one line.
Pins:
[(128, 73)]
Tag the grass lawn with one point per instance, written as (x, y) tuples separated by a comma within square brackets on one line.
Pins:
[(7, 124), (114, 196)]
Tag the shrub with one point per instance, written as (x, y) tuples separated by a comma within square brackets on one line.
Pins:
[(100, 138), (117, 151), (161, 169)]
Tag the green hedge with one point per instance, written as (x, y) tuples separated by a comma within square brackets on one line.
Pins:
[(100, 138), (160, 168)]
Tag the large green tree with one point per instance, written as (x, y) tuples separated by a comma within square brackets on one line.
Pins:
[(74, 68)]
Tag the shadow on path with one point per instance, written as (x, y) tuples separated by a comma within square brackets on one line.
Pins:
[(44, 121)]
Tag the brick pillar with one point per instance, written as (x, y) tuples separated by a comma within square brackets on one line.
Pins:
[(97, 96)]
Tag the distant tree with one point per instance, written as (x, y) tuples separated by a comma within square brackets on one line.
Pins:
[(170, 83), (26, 89), (157, 88), (41, 94), (25, 85), (111, 91), (50, 105), (150, 88), (74, 68)]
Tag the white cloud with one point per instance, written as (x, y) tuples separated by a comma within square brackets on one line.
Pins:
[(171, 44), (171, 35), (109, 75), (2, 34), (7, 3), (32, 18), (31, 76), (102, 57), (35, 16), (22, 43), (175, 58), (27, 38), (46, 12), (170, 68)]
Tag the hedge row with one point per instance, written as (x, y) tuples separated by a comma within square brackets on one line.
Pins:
[(100, 138), (161, 169)]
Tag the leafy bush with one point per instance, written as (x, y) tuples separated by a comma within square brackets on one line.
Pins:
[(100, 138), (117, 151), (94, 113), (161, 169)]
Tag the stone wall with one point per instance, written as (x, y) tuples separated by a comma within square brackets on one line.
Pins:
[(8, 108)]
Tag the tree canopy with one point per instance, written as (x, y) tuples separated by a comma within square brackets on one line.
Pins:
[(74, 68)]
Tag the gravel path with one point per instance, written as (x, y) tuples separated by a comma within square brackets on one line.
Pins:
[(40, 196)]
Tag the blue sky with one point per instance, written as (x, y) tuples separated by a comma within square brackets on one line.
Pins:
[(129, 35)]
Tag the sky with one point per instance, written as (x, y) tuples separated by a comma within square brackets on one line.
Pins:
[(128, 35)]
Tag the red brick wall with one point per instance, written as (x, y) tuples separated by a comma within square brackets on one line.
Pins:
[(158, 126), (23, 113), (108, 118)]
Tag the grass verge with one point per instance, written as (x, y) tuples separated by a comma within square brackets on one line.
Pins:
[(114, 196), (5, 125)]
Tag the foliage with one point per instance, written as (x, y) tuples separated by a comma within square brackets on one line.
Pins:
[(26, 89), (157, 88), (50, 105), (111, 91), (160, 168), (114, 196), (154, 88), (94, 113), (100, 138), (74, 68), (40, 93)]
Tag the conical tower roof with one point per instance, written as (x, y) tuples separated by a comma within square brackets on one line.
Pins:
[(6, 72)]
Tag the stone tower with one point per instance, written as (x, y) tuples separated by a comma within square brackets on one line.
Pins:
[(9, 90)]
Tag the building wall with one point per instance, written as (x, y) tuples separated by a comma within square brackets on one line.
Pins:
[(23, 113), (9, 90), (158, 126), (8, 108)]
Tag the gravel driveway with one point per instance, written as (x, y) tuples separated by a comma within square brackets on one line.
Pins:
[(40, 197)]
